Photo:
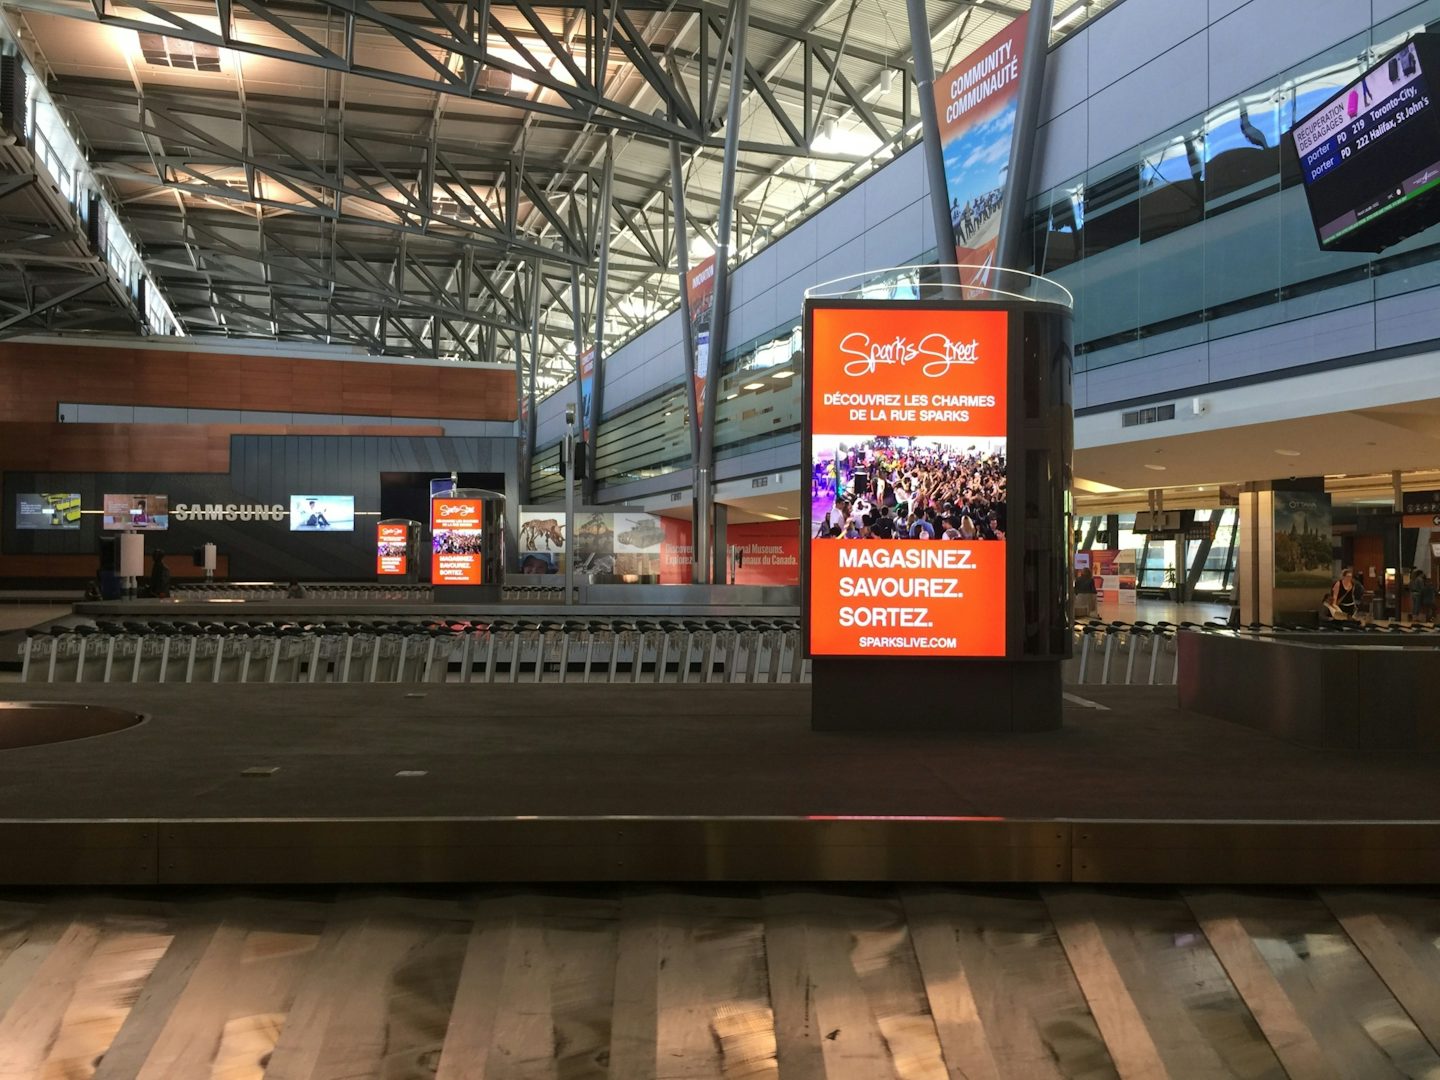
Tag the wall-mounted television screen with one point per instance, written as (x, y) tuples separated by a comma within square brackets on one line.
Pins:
[(322, 513), (1370, 155), (47, 510), (139, 513)]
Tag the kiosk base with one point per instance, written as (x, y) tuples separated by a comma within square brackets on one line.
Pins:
[(935, 695)]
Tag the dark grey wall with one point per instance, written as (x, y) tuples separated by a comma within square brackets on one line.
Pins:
[(269, 469)]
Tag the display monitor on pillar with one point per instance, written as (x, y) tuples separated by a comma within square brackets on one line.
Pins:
[(468, 541)]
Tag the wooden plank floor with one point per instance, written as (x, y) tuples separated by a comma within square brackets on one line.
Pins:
[(686, 984)]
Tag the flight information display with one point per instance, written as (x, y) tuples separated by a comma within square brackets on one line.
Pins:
[(1370, 155)]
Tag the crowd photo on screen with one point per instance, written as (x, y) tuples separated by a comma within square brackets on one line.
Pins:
[(457, 543), (890, 488)]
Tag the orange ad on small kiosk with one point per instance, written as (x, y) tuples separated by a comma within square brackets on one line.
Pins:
[(456, 557), (390, 542), (907, 448)]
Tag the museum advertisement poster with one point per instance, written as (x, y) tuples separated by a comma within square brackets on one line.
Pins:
[(700, 290), (390, 543), (906, 443), (771, 552), (542, 540), (676, 551), (976, 102), (622, 543), (456, 558)]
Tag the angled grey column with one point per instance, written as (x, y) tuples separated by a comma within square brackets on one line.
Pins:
[(1022, 149), (687, 335), (597, 391), (535, 287), (707, 567), (930, 132), (577, 320), (522, 423)]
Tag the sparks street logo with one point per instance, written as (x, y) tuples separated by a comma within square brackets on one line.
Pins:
[(936, 353), (452, 509)]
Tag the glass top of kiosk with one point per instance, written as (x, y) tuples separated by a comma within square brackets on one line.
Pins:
[(924, 282)]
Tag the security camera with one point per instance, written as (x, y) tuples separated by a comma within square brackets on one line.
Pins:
[(569, 414)]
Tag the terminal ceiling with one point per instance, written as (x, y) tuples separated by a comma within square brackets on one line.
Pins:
[(397, 176)]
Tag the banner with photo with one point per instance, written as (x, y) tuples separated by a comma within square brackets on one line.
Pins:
[(542, 540), (1303, 558), (619, 542), (700, 290), (976, 102), (587, 391)]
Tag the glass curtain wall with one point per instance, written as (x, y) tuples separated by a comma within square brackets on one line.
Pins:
[(1204, 231)]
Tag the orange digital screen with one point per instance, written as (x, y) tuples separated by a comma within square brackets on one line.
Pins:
[(390, 543), (456, 557), (907, 449)]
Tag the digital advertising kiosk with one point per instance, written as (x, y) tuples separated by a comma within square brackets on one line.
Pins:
[(937, 445)]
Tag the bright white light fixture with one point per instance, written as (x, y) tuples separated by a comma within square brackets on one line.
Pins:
[(1076, 12), (1288, 453), (783, 375), (753, 386), (1154, 468)]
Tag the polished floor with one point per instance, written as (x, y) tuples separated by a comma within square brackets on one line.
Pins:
[(634, 984)]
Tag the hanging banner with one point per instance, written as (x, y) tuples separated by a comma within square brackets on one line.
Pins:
[(390, 547), (456, 557), (905, 447), (587, 391), (700, 289), (976, 103)]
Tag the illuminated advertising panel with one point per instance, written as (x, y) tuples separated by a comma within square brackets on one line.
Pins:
[(390, 549), (322, 513), (456, 557), (141, 513), (47, 510), (906, 441)]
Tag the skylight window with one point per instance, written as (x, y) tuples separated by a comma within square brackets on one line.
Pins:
[(161, 51)]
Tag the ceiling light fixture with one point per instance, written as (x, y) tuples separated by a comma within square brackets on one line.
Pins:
[(1154, 468), (783, 375), (753, 386), (1288, 453)]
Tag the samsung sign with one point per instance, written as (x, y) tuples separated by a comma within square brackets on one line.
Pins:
[(230, 512)]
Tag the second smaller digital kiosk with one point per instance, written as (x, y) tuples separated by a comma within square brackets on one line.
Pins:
[(467, 543), (397, 550)]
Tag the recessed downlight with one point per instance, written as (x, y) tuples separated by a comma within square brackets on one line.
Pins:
[(1288, 453), (753, 386), (1154, 468)]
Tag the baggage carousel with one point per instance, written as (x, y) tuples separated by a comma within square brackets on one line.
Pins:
[(298, 783)]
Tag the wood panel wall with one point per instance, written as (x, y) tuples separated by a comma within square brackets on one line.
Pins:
[(37, 378)]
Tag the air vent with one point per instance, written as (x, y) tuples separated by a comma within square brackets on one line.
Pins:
[(161, 51), (12, 97), (1152, 415)]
